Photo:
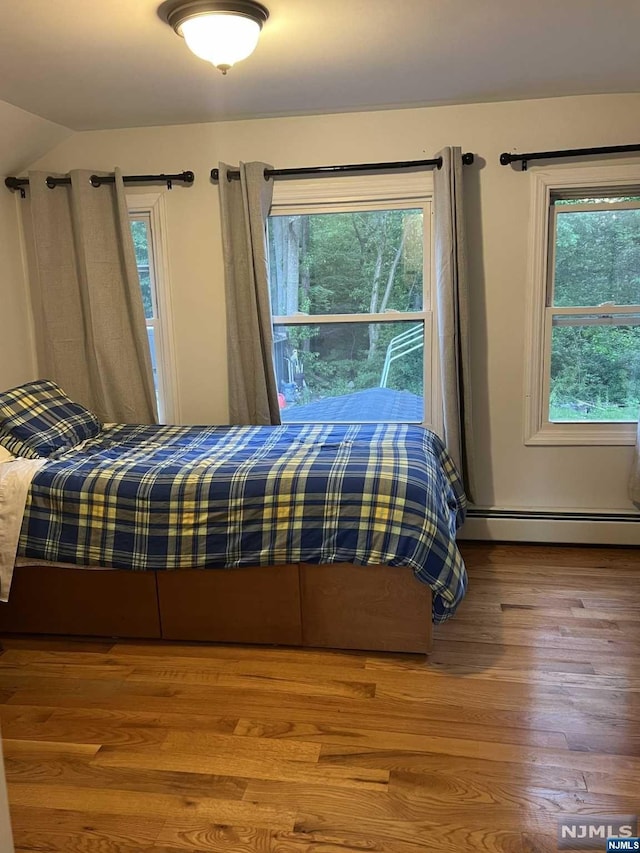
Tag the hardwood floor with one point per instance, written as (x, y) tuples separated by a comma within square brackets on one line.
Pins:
[(528, 710)]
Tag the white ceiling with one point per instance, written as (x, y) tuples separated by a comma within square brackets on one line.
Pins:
[(115, 63)]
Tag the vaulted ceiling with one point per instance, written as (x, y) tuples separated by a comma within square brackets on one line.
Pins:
[(115, 63)]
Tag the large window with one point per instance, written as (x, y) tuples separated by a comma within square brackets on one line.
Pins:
[(146, 218), (351, 300), (589, 339)]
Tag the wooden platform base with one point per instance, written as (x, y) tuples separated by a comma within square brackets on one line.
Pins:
[(376, 608)]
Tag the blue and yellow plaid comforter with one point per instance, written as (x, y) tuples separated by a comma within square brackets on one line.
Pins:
[(141, 497)]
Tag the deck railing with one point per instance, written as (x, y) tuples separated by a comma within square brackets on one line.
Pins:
[(400, 346)]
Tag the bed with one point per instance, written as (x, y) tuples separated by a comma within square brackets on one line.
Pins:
[(327, 535)]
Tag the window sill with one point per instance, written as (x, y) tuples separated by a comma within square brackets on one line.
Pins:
[(579, 434)]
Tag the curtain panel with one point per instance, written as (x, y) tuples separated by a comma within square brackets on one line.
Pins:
[(87, 304), (453, 313), (244, 207)]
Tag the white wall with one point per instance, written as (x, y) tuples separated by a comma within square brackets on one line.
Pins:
[(23, 137), (510, 474)]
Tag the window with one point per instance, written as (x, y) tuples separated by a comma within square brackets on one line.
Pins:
[(146, 215), (585, 384), (350, 278)]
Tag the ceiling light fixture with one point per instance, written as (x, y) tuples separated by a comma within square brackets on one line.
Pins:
[(223, 33)]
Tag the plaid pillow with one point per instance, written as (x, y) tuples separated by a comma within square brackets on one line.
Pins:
[(38, 419), (15, 446)]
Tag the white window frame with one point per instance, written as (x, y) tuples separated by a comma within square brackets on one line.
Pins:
[(375, 192), (538, 430), (152, 208)]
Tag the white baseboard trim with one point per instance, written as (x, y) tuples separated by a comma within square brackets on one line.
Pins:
[(552, 526)]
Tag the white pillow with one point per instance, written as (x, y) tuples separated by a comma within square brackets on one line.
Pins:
[(5, 456)]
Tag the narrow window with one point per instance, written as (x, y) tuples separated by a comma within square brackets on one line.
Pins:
[(146, 214), (583, 332), (593, 310), (141, 233)]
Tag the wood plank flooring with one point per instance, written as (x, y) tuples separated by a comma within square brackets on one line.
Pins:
[(527, 710)]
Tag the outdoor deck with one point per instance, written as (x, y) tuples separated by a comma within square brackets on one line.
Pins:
[(374, 404)]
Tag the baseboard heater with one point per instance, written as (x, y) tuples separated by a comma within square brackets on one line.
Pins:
[(552, 515), (596, 527)]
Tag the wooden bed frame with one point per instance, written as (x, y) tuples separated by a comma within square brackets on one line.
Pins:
[(338, 605)]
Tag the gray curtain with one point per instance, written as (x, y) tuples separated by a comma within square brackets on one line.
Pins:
[(453, 312), (634, 480), (87, 305), (244, 207)]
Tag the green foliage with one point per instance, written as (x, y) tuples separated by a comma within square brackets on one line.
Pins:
[(337, 361), (139, 233), (595, 369), (348, 263), (597, 257)]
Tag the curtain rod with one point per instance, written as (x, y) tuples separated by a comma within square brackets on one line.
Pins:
[(467, 159), (506, 159), (13, 183)]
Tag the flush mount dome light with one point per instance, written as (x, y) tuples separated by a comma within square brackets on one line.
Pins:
[(223, 33)]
